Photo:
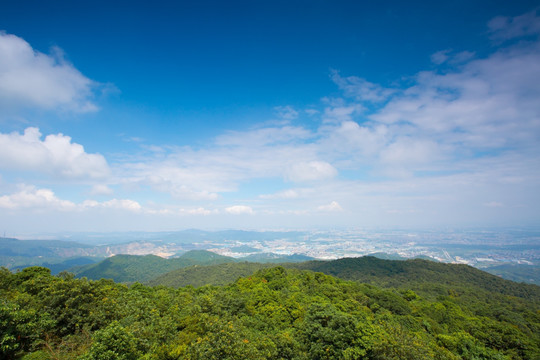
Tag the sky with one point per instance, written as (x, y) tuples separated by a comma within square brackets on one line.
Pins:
[(159, 116)]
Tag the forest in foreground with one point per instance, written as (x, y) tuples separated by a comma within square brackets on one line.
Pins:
[(275, 313)]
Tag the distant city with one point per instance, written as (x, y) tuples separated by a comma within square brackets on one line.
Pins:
[(510, 253)]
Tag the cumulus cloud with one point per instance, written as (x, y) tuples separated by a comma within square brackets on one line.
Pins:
[(32, 198), (31, 78), (101, 189), (311, 171), (406, 152), (29, 197), (285, 194), (187, 173), (239, 210), (338, 111), (332, 207), (489, 103), (55, 155), (119, 204)]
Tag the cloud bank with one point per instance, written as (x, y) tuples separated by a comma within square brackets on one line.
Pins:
[(29, 78)]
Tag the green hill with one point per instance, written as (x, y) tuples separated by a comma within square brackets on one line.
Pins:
[(134, 268), (414, 273), (476, 291), (16, 253), (197, 275), (275, 258), (275, 313), (63, 265), (529, 274)]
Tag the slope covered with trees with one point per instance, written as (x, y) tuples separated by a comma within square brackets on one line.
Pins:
[(197, 275), (132, 268), (276, 313)]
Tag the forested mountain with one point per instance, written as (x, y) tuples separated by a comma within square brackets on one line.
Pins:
[(416, 273), (276, 313), (517, 272), (276, 258), (142, 268), (197, 275), (132, 268), (16, 253)]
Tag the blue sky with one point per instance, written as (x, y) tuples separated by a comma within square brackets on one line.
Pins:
[(285, 114)]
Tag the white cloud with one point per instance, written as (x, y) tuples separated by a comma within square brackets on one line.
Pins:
[(286, 112), (118, 204), (332, 207), (32, 198), (30, 78), (406, 152), (285, 194), (37, 199), (202, 174), (264, 136), (339, 111), (504, 28), (349, 140), (488, 103), (311, 171), (440, 57), (361, 89), (55, 155), (198, 211), (101, 189), (239, 210)]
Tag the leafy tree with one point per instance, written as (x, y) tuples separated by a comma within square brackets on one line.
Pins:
[(113, 343)]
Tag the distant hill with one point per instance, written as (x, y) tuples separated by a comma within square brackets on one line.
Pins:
[(32, 248), (133, 268), (387, 256), (198, 275), (427, 278), (529, 274), (18, 254), (57, 267), (276, 258), (204, 257), (413, 273)]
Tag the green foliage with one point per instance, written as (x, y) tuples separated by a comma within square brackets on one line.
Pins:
[(273, 313), (332, 334), (113, 343), (197, 275), (133, 268)]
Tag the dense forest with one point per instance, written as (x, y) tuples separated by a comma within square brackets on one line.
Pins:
[(397, 310)]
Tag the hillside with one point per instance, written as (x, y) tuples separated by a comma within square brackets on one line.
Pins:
[(275, 313), (16, 253), (56, 266), (197, 275), (415, 273), (134, 268), (517, 272), (276, 258)]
